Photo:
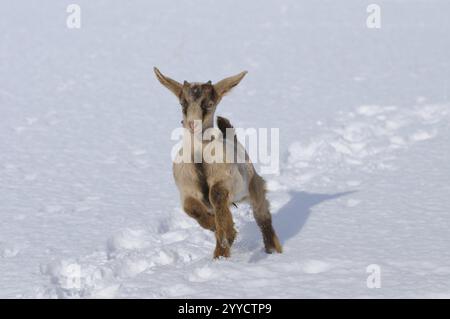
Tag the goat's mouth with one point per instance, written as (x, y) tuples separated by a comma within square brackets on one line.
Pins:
[(192, 129), (195, 130)]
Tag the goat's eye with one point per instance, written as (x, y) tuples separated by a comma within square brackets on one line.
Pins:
[(184, 104)]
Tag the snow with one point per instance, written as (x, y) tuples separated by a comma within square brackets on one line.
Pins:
[(89, 208)]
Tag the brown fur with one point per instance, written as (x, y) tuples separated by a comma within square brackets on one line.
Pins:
[(197, 210), (207, 190), (202, 183), (260, 205), (225, 232)]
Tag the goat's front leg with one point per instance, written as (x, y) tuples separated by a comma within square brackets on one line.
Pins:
[(197, 210), (225, 232)]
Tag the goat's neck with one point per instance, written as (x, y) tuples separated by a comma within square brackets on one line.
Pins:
[(197, 144)]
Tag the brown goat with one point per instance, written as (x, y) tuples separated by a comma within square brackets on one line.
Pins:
[(208, 189)]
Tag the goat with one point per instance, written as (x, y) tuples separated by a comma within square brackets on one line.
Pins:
[(207, 190)]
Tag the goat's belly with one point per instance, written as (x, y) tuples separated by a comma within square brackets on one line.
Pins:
[(240, 196), (240, 186)]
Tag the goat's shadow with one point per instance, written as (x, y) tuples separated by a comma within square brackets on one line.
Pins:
[(287, 221)]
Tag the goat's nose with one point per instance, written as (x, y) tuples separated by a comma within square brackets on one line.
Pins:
[(192, 125)]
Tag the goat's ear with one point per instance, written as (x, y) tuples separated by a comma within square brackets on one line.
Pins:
[(225, 86), (172, 85)]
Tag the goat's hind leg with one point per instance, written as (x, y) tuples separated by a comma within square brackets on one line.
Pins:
[(260, 205)]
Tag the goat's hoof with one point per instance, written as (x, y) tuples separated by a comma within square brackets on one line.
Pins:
[(222, 239), (226, 238), (274, 246), (221, 252), (271, 250)]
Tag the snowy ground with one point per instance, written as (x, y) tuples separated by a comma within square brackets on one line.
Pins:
[(85, 172)]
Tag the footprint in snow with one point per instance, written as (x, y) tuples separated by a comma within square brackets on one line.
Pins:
[(315, 267)]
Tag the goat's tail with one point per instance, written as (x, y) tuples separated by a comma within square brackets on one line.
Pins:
[(229, 136), (225, 127)]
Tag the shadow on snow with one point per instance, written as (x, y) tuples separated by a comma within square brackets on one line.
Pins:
[(288, 221)]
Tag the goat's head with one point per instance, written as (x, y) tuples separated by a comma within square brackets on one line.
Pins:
[(199, 100)]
